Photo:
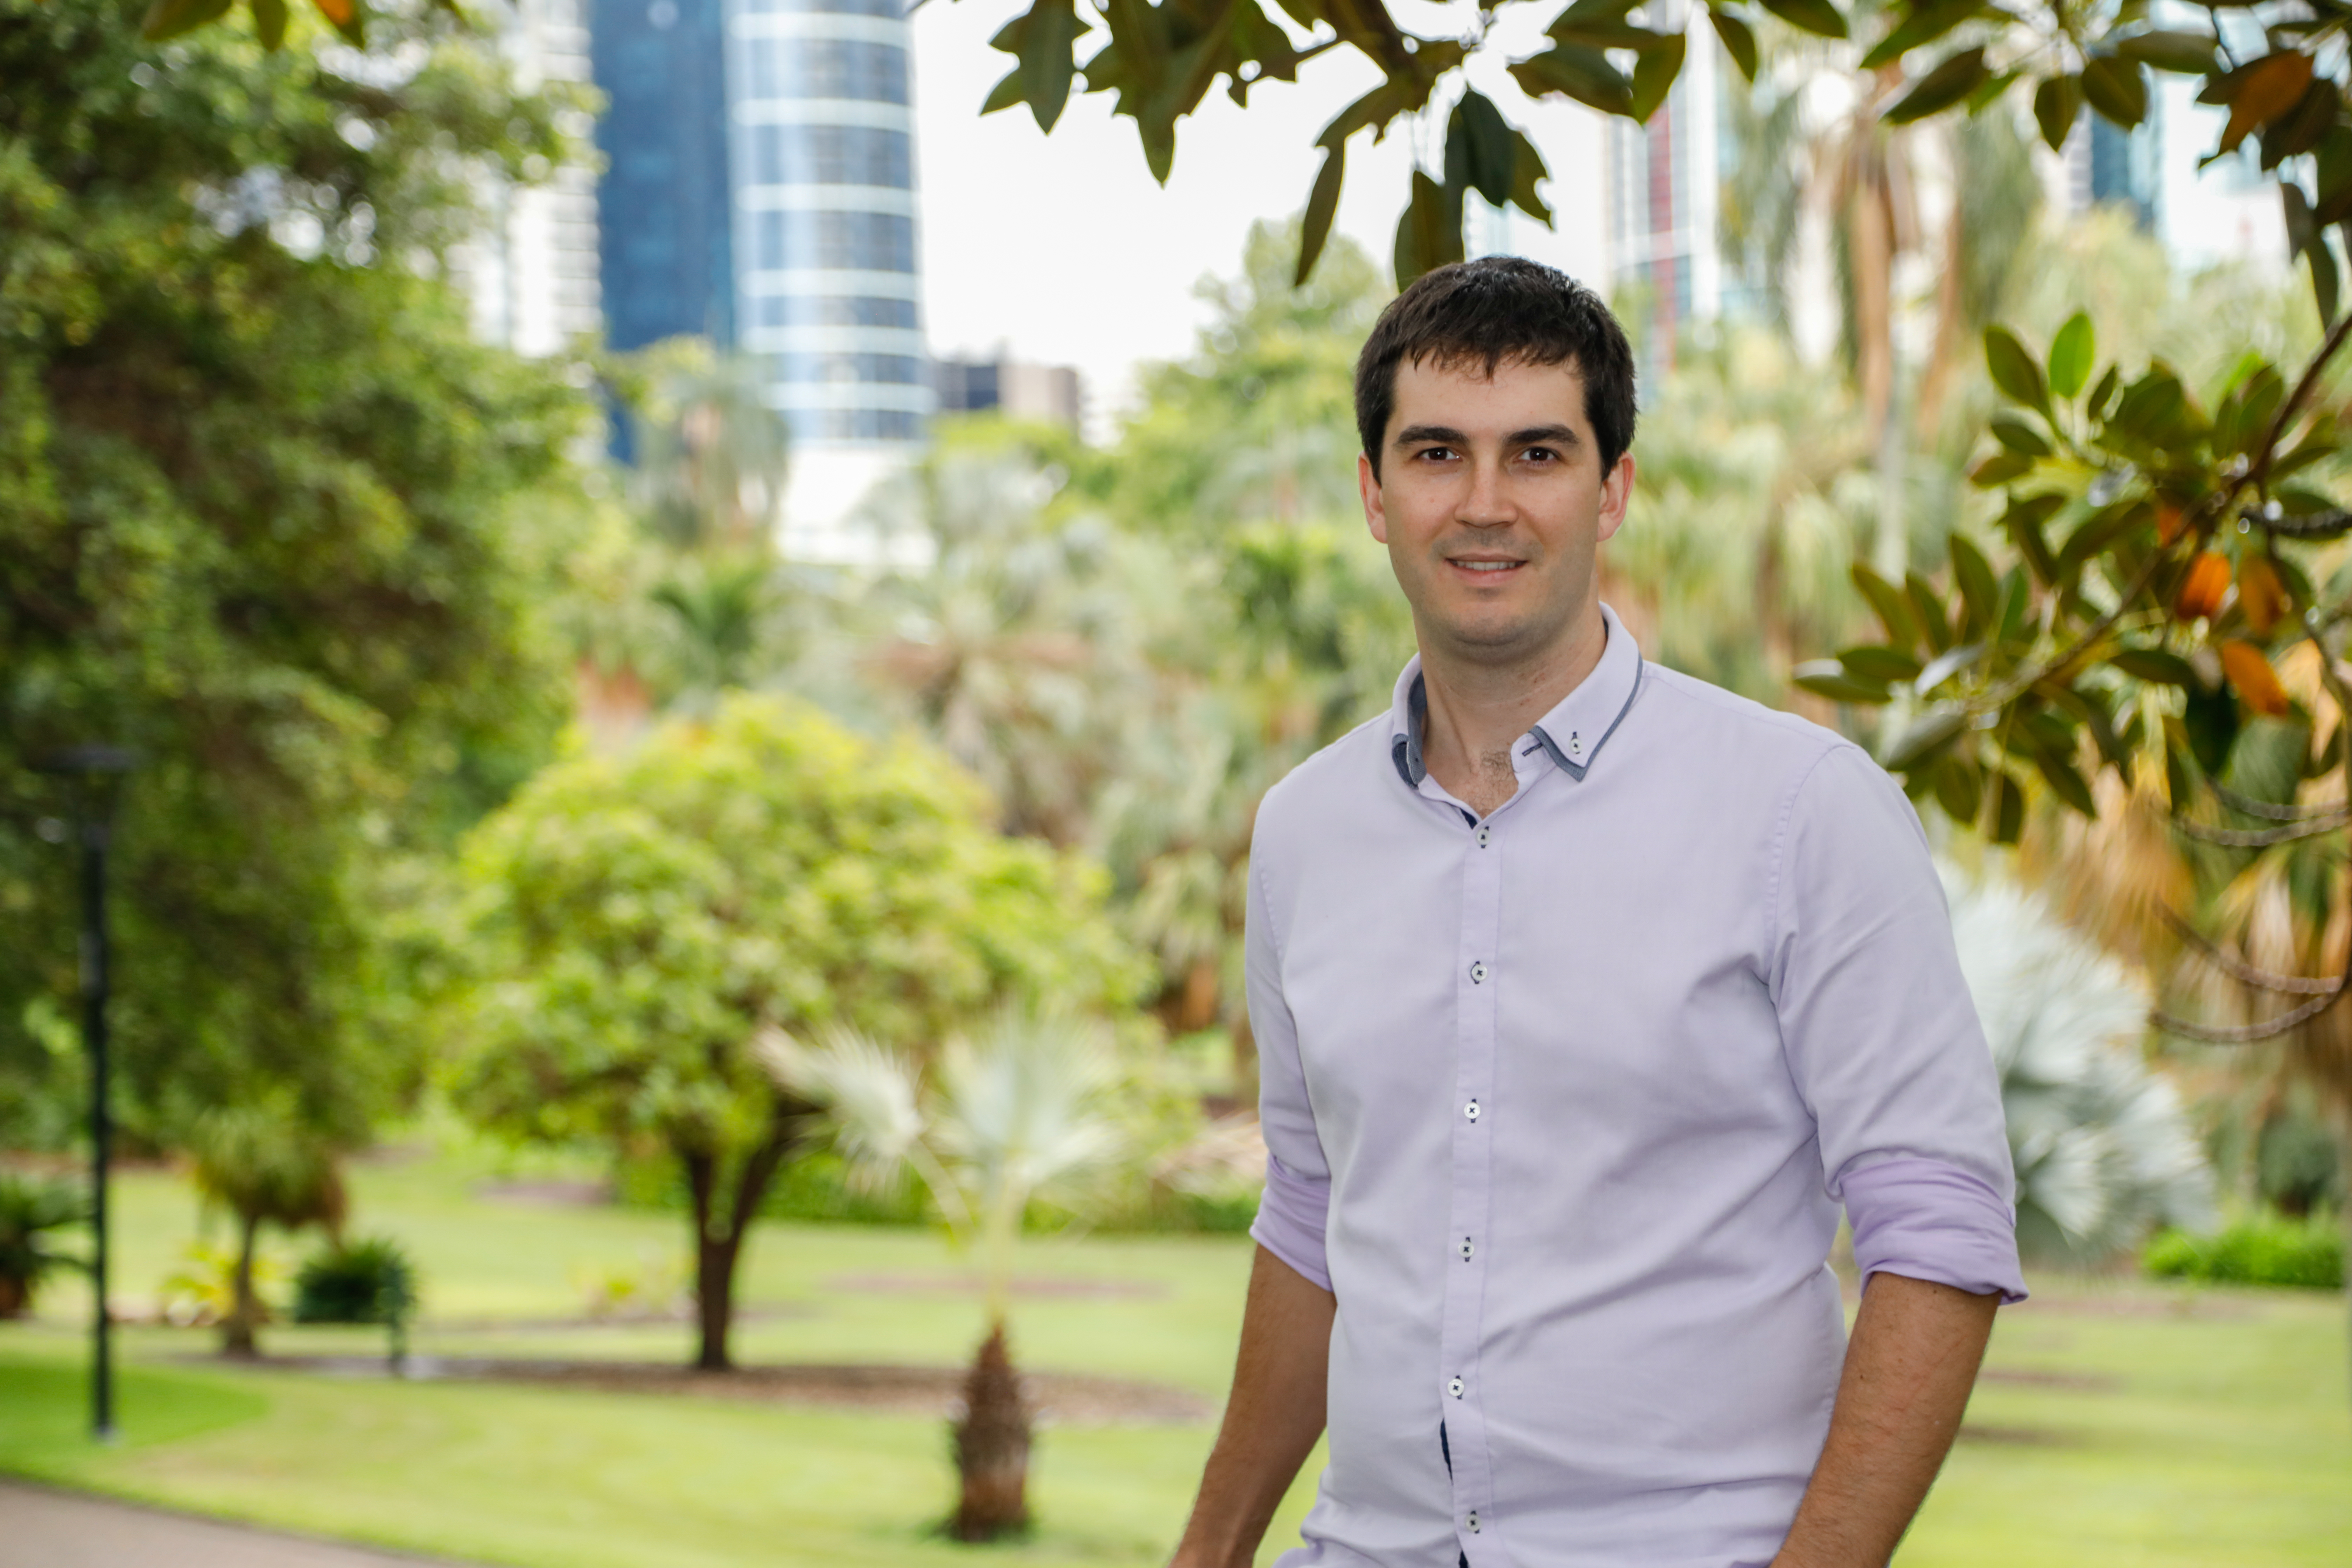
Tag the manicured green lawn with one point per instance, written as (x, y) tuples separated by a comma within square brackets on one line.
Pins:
[(2168, 1428)]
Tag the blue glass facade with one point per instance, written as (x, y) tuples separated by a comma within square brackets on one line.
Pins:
[(760, 189), (666, 246)]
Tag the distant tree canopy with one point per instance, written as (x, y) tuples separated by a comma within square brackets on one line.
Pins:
[(638, 919), (261, 519)]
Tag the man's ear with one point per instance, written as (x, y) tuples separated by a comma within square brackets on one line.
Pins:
[(1616, 492), (1376, 511)]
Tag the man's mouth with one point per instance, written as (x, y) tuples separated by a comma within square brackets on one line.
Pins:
[(1490, 568)]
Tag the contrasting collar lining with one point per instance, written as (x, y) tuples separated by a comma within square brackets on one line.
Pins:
[(1575, 758)]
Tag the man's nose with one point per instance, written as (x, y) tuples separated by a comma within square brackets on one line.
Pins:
[(1486, 503)]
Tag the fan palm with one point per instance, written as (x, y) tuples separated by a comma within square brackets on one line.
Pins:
[(263, 1166), (2102, 1149), (29, 1209), (1008, 1112)]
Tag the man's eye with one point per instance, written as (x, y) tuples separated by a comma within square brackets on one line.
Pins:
[(1437, 452), (1539, 455)]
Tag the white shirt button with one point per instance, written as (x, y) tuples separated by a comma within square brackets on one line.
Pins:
[(1575, 746), (1471, 1110), (1477, 974), (1483, 833), (1467, 1248), (1474, 1522), (1455, 1388)]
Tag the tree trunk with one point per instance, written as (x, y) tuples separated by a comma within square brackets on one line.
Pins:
[(718, 1238), (245, 1308), (991, 1447)]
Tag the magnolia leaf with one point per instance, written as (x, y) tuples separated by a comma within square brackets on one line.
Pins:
[(2006, 807), (2202, 589), (2019, 437), (2014, 370), (2071, 354), (1872, 662), (269, 23), (1817, 16), (1888, 602), (1959, 788), (1654, 76), (2116, 90), (2057, 104), (2262, 597), (1925, 736), (1429, 230), (2262, 92), (1947, 664), (2059, 772), (1739, 40), (1949, 83), (169, 19), (348, 19), (2001, 468), (1925, 25), (2155, 666), (1827, 678), (1584, 75), (1929, 608), (1979, 591), (2256, 683), (1322, 202), (1489, 154), (2191, 54), (1526, 171)]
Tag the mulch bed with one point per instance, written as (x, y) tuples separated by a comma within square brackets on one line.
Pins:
[(1059, 1398)]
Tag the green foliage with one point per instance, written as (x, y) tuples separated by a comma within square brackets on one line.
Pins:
[(2266, 1250), (370, 1281), (635, 921), (259, 519), (30, 1208), (267, 1167)]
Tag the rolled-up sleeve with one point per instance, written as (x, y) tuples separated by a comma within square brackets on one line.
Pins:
[(1292, 1212), (1882, 1037)]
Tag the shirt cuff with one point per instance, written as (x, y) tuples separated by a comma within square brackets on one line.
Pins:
[(1927, 1219), (1290, 1220)]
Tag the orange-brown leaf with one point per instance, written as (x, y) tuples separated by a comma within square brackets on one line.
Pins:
[(339, 12), (2261, 594), (2256, 682), (2202, 589), (2271, 89), (2168, 519)]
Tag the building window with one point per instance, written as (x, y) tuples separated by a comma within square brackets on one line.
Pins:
[(828, 67), (858, 424), (854, 311), (832, 155), (847, 368), (829, 7)]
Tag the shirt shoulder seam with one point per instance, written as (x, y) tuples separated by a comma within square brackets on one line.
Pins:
[(1780, 839)]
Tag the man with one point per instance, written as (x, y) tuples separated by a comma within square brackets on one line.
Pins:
[(1584, 995)]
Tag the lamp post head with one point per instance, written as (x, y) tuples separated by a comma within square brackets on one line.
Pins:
[(93, 777)]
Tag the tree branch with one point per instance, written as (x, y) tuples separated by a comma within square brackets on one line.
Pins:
[(2294, 402), (2263, 837), (2271, 810), (2238, 970)]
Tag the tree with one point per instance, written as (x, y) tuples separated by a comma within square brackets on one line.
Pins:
[(1006, 1115), (268, 514), (638, 919), (265, 1167)]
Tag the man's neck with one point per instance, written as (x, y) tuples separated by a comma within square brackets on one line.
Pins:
[(1478, 710)]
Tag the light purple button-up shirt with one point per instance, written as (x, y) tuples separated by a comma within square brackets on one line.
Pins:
[(1561, 1105)]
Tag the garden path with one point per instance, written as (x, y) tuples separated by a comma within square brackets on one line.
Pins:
[(44, 1529)]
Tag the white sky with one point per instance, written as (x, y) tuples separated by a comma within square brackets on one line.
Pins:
[(1063, 250)]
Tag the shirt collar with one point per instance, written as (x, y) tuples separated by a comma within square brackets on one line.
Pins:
[(1571, 734)]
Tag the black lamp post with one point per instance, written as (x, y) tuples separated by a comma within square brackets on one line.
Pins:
[(93, 777)]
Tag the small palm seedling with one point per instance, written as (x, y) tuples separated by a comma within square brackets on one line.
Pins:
[(1008, 1113)]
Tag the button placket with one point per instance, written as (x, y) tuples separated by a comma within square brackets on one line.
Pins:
[(1459, 1332)]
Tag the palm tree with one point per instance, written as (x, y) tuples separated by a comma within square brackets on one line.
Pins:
[(29, 1209), (264, 1166), (1006, 1114), (2102, 1149)]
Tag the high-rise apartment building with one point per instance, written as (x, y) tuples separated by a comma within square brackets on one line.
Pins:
[(1663, 186), (759, 191), (532, 273)]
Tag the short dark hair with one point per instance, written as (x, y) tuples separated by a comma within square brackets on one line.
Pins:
[(1490, 311)]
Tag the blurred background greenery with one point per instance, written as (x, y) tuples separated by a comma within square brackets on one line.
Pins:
[(500, 797)]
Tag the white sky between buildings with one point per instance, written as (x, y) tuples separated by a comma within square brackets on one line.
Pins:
[(1062, 249)]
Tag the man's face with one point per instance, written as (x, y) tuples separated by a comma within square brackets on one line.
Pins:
[(1493, 502)]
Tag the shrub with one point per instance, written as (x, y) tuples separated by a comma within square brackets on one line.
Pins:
[(29, 1209), (2268, 1250), (369, 1281)]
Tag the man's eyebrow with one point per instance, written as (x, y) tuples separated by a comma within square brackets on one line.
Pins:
[(1558, 434), (1412, 435)]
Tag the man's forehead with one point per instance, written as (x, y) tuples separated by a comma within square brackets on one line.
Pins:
[(1513, 392)]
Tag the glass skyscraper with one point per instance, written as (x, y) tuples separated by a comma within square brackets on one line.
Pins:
[(759, 190)]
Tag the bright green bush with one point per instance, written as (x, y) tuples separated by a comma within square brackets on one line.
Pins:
[(2268, 1250), (367, 1281)]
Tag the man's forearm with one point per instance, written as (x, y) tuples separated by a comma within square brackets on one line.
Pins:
[(1908, 1370), (1272, 1420)]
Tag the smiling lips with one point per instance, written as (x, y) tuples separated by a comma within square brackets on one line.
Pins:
[(1486, 566)]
